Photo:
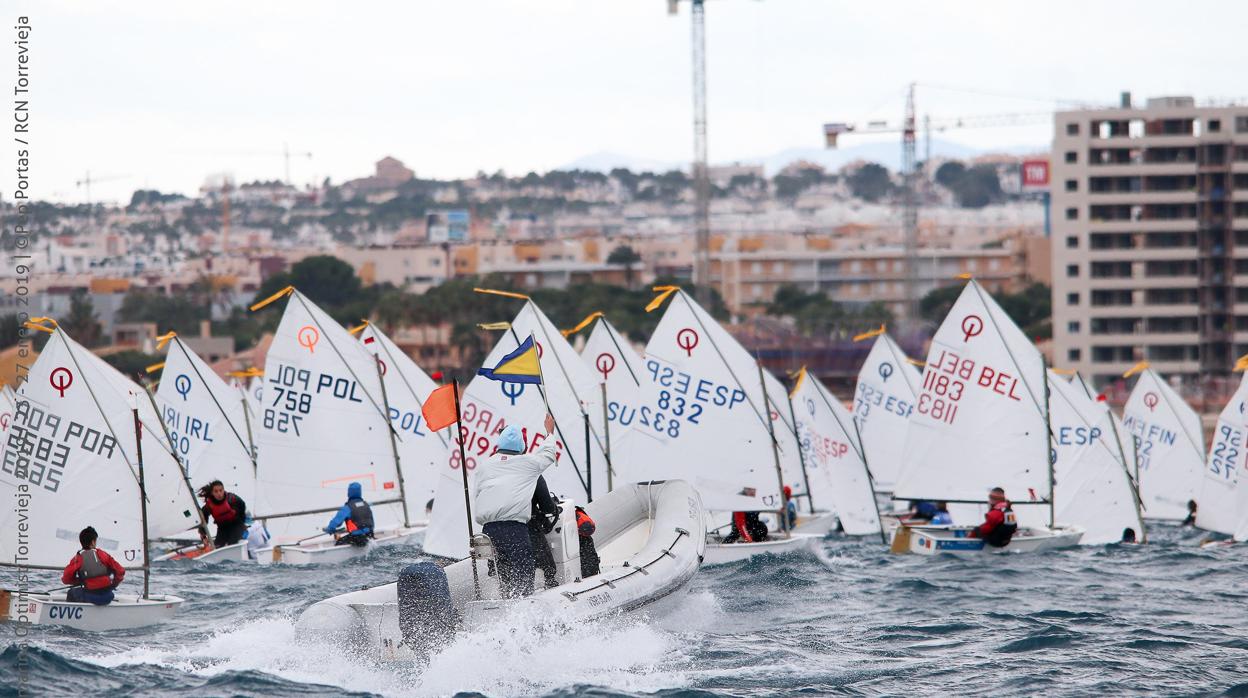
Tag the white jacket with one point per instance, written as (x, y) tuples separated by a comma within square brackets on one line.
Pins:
[(504, 486)]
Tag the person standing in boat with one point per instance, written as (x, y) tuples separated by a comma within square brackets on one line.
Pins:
[(543, 517), (358, 517), (227, 510), (790, 507), (503, 499), (92, 573), (999, 523)]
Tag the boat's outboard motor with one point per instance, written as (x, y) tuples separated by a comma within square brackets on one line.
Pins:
[(426, 617)]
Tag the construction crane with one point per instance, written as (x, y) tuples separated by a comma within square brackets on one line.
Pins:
[(87, 180), (910, 171), (286, 155), (701, 174)]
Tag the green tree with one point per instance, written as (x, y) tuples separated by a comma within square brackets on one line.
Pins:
[(325, 279), (871, 182), (1031, 308), (131, 362), (81, 323), (180, 312), (626, 257), (949, 174)]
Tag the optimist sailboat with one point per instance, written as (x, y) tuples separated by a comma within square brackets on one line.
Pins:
[(836, 467), (207, 424), (1222, 502), (324, 424), (980, 421), (78, 455), (884, 399), (406, 387), (1094, 488), (1169, 445), (573, 398), (722, 423)]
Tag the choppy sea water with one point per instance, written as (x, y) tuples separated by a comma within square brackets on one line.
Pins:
[(845, 618)]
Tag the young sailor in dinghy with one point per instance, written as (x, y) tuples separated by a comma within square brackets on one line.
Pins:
[(502, 501), (93, 573), (747, 527), (357, 516), (227, 510), (942, 517), (585, 527), (999, 523)]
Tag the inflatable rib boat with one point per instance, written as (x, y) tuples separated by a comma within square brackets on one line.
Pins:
[(650, 538)]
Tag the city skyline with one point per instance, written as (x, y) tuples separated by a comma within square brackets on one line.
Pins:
[(191, 91)]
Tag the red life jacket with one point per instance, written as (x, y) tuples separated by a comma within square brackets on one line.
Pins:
[(584, 525), (738, 522), (222, 511)]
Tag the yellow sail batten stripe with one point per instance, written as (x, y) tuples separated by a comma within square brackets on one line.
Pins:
[(1063, 371), (37, 326), (583, 324), (915, 362), (965, 276), (45, 321), (506, 294), (249, 372), (154, 367), (163, 339), (360, 328), (664, 292), (797, 381), (1135, 369), (280, 294), (494, 325), (873, 333)]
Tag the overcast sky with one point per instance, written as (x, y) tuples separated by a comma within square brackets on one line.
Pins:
[(160, 94)]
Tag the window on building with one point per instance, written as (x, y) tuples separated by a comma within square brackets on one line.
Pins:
[(1072, 242), (1072, 129), (756, 268), (1241, 124), (1072, 214), (1072, 270), (1072, 299), (1072, 185), (1072, 156), (1074, 355), (1215, 125), (1073, 327)]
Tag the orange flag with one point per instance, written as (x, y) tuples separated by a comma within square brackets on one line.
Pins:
[(439, 409)]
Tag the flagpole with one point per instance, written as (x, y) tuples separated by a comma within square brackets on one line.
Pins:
[(463, 471)]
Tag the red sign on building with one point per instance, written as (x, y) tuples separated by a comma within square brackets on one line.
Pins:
[(1035, 175)]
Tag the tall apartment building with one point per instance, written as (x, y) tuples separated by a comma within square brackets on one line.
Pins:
[(1150, 238)]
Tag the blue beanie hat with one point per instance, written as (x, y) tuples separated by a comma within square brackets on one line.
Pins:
[(510, 440), (354, 491)]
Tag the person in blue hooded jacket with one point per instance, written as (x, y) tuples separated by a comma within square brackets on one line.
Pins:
[(358, 517)]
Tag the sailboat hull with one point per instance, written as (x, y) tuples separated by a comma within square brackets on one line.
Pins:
[(238, 551), (723, 553), (649, 537), (323, 551), (819, 523), (936, 540), (126, 611)]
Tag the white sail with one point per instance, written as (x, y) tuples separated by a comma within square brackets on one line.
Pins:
[(205, 422), (614, 362), (489, 405), (979, 420), (1220, 502), (322, 426), (422, 453), (70, 461), (1168, 444), (705, 404), (833, 457), (1092, 488), (888, 386)]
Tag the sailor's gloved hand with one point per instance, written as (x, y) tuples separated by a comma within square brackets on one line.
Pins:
[(328, 530)]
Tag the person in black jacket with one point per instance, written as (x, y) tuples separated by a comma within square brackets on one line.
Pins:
[(545, 514)]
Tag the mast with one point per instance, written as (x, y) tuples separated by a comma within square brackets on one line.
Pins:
[(251, 439), (394, 447), (775, 449), (606, 433), (1134, 483), (138, 445), (173, 451), (1048, 440), (866, 466), (801, 456)]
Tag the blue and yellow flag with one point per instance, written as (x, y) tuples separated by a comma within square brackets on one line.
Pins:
[(520, 366)]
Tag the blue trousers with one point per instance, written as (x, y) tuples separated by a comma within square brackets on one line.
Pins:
[(99, 597), (513, 556)]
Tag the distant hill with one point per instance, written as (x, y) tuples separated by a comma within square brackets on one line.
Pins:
[(886, 153)]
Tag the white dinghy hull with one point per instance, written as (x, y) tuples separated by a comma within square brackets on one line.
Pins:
[(323, 550), (935, 540), (722, 553), (819, 523), (126, 611), (238, 551), (650, 538)]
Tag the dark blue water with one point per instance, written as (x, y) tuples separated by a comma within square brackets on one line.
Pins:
[(1164, 619)]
